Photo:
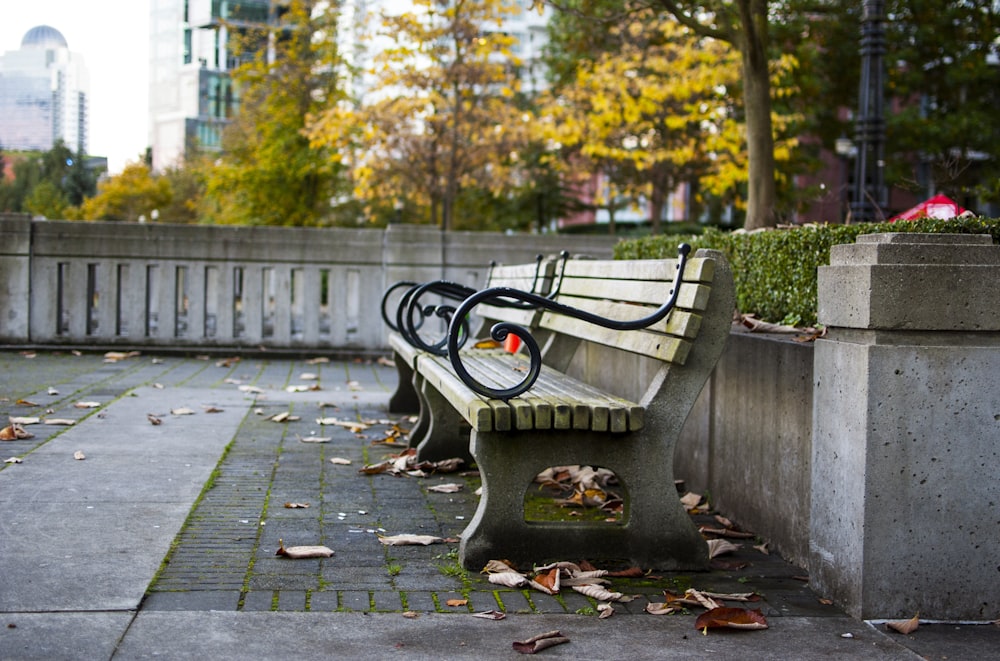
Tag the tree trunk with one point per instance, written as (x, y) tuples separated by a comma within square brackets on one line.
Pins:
[(761, 191)]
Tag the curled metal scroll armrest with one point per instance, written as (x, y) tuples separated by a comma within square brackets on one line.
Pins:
[(501, 330), (411, 315)]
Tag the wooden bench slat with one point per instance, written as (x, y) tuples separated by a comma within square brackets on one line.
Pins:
[(697, 269), (691, 297), (681, 323)]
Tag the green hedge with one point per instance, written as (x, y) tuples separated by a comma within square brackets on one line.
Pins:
[(775, 270)]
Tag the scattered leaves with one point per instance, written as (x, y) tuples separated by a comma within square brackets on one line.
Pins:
[(299, 552)]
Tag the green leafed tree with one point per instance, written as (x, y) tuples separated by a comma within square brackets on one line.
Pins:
[(438, 117), (269, 173)]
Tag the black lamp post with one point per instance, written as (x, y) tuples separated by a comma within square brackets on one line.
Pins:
[(869, 193)]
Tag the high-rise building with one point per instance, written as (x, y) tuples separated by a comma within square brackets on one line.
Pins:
[(44, 91), (191, 93)]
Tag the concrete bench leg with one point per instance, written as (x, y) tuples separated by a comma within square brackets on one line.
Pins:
[(447, 433), (419, 429), (405, 399), (656, 534)]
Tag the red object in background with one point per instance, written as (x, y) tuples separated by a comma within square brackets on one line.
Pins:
[(939, 206), (512, 343)]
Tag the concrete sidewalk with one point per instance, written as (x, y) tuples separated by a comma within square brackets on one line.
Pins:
[(162, 540)]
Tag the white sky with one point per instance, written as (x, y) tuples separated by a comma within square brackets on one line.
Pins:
[(113, 38)]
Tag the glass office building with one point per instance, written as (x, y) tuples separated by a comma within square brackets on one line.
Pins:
[(44, 92), (191, 94)]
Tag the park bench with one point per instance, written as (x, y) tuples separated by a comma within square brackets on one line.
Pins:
[(526, 413)]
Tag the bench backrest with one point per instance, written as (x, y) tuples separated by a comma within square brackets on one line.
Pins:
[(522, 277), (627, 290)]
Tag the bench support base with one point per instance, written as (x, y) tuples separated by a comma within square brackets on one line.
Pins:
[(657, 533)]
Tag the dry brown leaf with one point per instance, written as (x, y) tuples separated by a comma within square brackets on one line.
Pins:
[(690, 500), (296, 506), (605, 611), (446, 488), (663, 608), (730, 618), (24, 402), (904, 626), (284, 416), (299, 552), (410, 540), (540, 642), (490, 615), (717, 547), (411, 615), (548, 581), (497, 566), (212, 409), (79, 455), (115, 356), (454, 603), (703, 600), (762, 548), (598, 592), (14, 432), (509, 579), (153, 420)]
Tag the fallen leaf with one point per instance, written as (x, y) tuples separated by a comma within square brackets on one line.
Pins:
[(64, 422), (183, 410), (13, 460), (79, 455), (631, 572), (407, 540), (497, 566), (308, 376), (53, 391), (153, 420), (14, 432), (605, 611), (315, 439), (299, 552), (490, 615), (212, 409), (510, 579), (446, 488), (762, 548), (384, 362), (487, 344), (319, 360), (540, 642), (456, 602), (115, 356), (23, 420), (549, 581), (352, 425), (340, 461), (690, 500), (296, 506), (296, 388), (284, 416), (904, 626), (717, 547), (250, 389), (730, 618), (24, 402), (598, 592), (662, 608), (411, 615)]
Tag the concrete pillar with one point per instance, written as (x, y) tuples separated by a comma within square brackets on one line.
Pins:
[(905, 507)]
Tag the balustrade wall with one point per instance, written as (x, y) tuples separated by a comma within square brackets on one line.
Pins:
[(176, 286)]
